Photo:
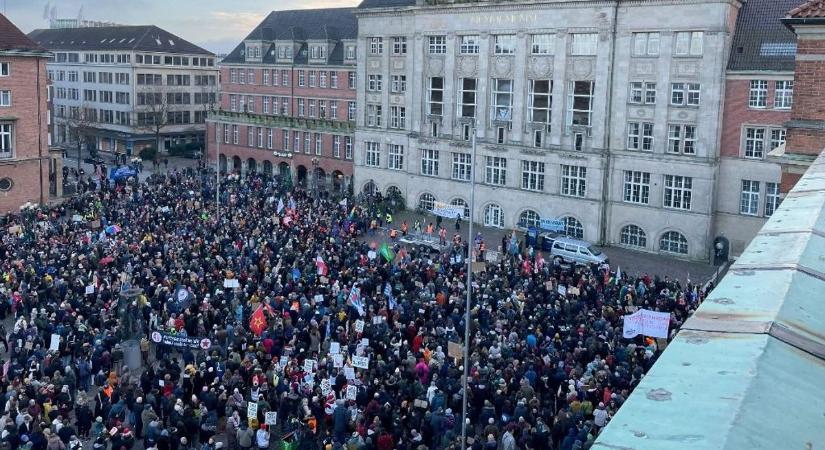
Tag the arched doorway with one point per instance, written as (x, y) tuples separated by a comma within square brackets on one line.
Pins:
[(338, 181), (251, 165), (370, 188), (302, 176), (283, 170), (222, 163), (268, 168), (236, 163)]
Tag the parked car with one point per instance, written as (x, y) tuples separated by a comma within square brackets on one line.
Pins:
[(575, 251)]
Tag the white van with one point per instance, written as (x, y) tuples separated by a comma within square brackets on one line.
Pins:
[(574, 251)]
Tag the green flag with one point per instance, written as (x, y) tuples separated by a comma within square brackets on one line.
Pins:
[(387, 253)]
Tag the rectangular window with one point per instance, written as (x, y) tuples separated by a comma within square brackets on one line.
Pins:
[(284, 78), (640, 136), (265, 80), (495, 170), (251, 76), (296, 141), (5, 69), (350, 52), (265, 106), (573, 180), (311, 78), (5, 98), (348, 147), (398, 117), (372, 157), (269, 136), (351, 78), (225, 133), (771, 198), (241, 76), (235, 134), (333, 109), (636, 187), (395, 157), (307, 140), (467, 97), (376, 45), (677, 192), (333, 80), (501, 105), (469, 45), (399, 83), (584, 44), (685, 94), (754, 142), (250, 136), (6, 140), (350, 110), (642, 93), (322, 79), (374, 83), (758, 94), (580, 103), (681, 139), (301, 109), (336, 146), (749, 200), (505, 44), (437, 45), (318, 144), (429, 162), (260, 131), (645, 44), (301, 78), (312, 103), (783, 95), (322, 109), (399, 45), (285, 139), (435, 96), (541, 44), (532, 175), (777, 137), (540, 101), (462, 165), (373, 115), (689, 43)]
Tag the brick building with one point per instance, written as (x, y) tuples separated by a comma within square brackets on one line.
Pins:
[(24, 141), (288, 99)]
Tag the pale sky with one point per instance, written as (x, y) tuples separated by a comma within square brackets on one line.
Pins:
[(217, 25)]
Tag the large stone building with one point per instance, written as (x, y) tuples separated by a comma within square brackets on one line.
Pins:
[(606, 114), (24, 148), (122, 88), (288, 99)]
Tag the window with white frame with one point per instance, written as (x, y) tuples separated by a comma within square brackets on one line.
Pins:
[(426, 201), (532, 175), (469, 45), (269, 138), (373, 115), (573, 228), (754, 142), (689, 43), (250, 136), (296, 141), (399, 45), (467, 97), (265, 105), (749, 200), (301, 107), (640, 136), (307, 140), (251, 76), (285, 139), (495, 170), (5, 69), (225, 134), (233, 76), (529, 218), (685, 94), (322, 109), (541, 44), (284, 78), (580, 103), (301, 78), (462, 165), (265, 77), (435, 96), (376, 45), (758, 94), (642, 93), (783, 94), (493, 216), (351, 79), (350, 52), (348, 147), (461, 204), (398, 117), (437, 45), (429, 162), (372, 156), (501, 105), (312, 104), (771, 198), (633, 236), (573, 180), (350, 110), (260, 131), (584, 44), (395, 157), (678, 192), (777, 137), (505, 44), (645, 44), (399, 83), (540, 101), (322, 79), (673, 242), (333, 80), (5, 98), (374, 83), (235, 134), (333, 109), (336, 146), (6, 140), (681, 139)]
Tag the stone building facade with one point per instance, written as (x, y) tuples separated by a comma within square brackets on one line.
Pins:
[(604, 114)]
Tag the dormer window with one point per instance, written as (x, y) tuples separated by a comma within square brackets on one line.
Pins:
[(350, 52), (284, 51)]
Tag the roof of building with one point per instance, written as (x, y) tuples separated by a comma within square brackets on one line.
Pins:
[(12, 39), (330, 24), (811, 9), (753, 352), (369, 4), (761, 41), (144, 38)]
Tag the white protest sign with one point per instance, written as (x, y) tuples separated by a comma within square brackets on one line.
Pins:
[(561, 290), (90, 289), (359, 326), (334, 348), (352, 392), (349, 372), (309, 365), (338, 360), (251, 410), (55, 342), (645, 322), (325, 387), (283, 361), (231, 283), (365, 342), (362, 362), (271, 418)]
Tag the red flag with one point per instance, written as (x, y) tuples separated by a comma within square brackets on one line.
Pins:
[(257, 323), (323, 270)]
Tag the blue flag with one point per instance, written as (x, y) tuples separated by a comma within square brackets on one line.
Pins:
[(390, 299), (296, 273)]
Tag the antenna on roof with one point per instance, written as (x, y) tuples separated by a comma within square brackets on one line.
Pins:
[(46, 11)]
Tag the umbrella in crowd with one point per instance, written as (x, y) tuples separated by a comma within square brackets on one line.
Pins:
[(274, 324)]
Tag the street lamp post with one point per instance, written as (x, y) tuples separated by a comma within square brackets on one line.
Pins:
[(464, 384), (217, 170), (315, 163)]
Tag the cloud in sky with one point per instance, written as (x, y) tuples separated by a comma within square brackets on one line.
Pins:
[(208, 23)]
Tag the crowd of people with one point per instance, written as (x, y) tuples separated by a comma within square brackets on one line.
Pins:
[(309, 333)]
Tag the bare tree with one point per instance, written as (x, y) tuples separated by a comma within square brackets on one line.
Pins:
[(80, 124), (153, 114)]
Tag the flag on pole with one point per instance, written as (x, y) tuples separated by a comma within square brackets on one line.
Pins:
[(390, 299), (355, 300), (618, 274), (387, 252), (323, 270), (280, 205), (257, 323)]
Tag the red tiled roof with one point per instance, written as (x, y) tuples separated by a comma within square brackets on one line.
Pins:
[(811, 9), (11, 38)]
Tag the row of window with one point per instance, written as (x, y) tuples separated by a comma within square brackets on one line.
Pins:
[(276, 77), (757, 141), (263, 137), (174, 60), (681, 138), (686, 43), (89, 77), (749, 198), (303, 107), (782, 94), (125, 58), (315, 52)]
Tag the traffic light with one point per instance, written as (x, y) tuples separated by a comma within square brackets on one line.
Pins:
[(721, 248)]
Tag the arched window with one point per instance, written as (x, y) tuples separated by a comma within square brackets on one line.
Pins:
[(673, 242), (370, 188), (426, 201), (493, 216), (528, 218), (393, 191), (573, 228), (634, 236), (460, 202)]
